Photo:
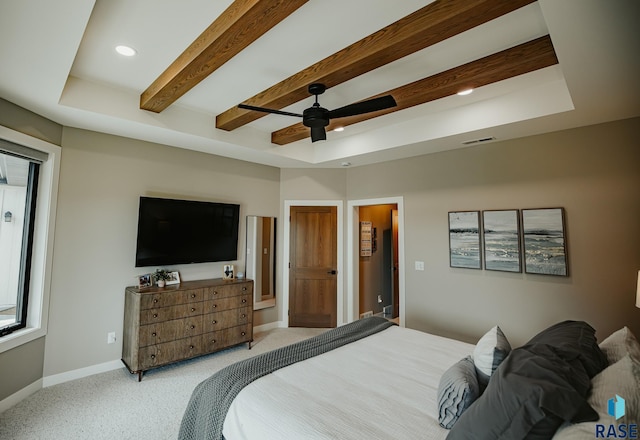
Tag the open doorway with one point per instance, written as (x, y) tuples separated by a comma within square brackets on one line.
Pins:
[(378, 261), (376, 258)]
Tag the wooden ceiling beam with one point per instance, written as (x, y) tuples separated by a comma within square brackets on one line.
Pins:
[(528, 57), (427, 26), (243, 22)]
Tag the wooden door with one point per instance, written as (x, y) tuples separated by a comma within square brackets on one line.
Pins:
[(313, 263)]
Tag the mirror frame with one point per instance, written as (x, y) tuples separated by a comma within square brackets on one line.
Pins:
[(253, 260)]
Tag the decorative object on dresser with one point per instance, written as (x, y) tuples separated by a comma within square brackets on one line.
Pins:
[(228, 272), (160, 276), (182, 321)]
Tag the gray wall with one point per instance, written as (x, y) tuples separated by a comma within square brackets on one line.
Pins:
[(23, 365), (101, 180), (593, 172)]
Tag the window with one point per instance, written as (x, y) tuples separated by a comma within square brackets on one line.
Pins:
[(41, 210), (18, 193)]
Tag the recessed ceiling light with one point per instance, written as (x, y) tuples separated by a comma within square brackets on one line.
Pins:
[(465, 92), (338, 129), (126, 51)]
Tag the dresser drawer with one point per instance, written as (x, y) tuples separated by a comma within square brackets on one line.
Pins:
[(225, 291), (233, 302), (225, 338), (152, 334), (169, 313), (160, 354), (230, 318), (166, 299)]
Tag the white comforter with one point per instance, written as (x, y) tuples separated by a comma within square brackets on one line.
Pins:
[(380, 387)]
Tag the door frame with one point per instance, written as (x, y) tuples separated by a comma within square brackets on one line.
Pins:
[(339, 204), (353, 256)]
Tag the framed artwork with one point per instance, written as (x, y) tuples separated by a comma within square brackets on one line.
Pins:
[(464, 239), (501, 240), (228, 272), (174, 278), (145, 281), (544, 241), (365, 239)]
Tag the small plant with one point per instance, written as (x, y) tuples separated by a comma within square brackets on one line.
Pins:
[(161, 275)]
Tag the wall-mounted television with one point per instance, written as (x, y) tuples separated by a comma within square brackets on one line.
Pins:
[(186, 231)]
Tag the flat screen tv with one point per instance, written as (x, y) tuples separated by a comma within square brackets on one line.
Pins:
[(186, 231)]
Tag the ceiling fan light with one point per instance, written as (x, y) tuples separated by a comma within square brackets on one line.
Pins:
[(465, 92), (126, 50)]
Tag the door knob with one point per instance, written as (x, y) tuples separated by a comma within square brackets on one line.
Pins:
[(332, 272)]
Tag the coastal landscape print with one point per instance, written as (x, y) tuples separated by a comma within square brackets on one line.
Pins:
[(544, 241), (501, 240), (464, 239)]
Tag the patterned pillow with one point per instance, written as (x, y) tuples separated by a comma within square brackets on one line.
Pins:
[(619, 344), (489, 352), (457, 390)]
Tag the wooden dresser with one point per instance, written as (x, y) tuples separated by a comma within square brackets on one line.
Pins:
[(169, 324)]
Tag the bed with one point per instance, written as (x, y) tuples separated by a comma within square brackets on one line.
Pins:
[(372, 379)]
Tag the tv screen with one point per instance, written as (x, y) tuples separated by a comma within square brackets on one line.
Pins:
[(186, 231)]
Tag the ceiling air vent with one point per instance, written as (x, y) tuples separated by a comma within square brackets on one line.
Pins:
[(478, 141)]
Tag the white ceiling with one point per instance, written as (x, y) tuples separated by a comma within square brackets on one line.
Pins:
[(58, 60)]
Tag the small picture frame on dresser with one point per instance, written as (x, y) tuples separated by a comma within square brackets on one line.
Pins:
[(174, 278), (228, 272), (144, 281)]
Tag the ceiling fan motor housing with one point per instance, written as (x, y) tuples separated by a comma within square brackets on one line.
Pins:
[(315, 116)]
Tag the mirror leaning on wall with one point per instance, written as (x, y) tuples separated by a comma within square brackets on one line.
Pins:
[(260, 259)]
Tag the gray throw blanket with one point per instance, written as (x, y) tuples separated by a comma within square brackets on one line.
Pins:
[(211, 399)]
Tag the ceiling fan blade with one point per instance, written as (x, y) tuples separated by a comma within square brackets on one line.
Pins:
[(358, 108), (268, 110), (318, 134)]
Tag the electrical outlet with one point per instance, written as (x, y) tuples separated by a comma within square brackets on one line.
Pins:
[(111, 337), (419, 265)]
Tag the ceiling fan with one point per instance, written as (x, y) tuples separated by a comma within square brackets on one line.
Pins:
[(317, 118)]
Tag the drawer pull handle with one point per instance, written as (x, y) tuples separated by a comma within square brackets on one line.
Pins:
[(243, 333), (193, 295), (244, 301), (155, 300), (153, 334), (215, 305), (213, 342), (155, 315), (243, 316), (190, 347), (214, 322), (215, 292), (193, 309), (192, 327), (153, 356), (244, 288)]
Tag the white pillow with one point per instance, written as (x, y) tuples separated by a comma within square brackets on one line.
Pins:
[(619, 344), (622, 379), (489, 352)]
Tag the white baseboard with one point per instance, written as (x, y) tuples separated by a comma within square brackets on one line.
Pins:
[(18, 396), (81, 372), (269, 326)]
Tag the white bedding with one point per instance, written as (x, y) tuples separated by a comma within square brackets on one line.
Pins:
[(380, 387)]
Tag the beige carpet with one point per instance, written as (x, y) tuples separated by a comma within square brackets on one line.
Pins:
[(114, 406)]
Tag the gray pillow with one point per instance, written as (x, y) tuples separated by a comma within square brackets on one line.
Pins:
[(457, 390), (531, 393)]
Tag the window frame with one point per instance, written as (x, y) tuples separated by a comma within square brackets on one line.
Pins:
[(42, 245)]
